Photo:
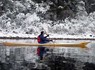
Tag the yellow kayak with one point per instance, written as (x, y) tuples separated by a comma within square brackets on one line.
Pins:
[(81, 45)]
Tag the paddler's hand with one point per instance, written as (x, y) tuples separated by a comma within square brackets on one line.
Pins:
[(48, 35)]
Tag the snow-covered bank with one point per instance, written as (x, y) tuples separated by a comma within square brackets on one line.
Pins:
[(53, 36)]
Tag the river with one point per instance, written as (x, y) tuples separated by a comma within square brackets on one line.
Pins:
[(26, 53)]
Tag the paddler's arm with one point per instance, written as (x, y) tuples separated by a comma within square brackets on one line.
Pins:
[(47, 36)]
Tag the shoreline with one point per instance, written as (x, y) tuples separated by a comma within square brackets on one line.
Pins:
[(49, 38)]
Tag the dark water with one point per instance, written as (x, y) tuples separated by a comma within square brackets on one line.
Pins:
[(52, 63), (24, 58)]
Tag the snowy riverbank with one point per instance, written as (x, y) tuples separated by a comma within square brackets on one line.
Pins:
[(53, 36)]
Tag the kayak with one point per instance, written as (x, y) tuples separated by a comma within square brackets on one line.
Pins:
[(81, 45)]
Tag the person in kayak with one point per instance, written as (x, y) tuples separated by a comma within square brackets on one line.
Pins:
[(41, 51)]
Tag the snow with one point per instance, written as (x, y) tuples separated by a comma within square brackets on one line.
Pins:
[(31, 17), (82, 26), (18, 4), (42, 7), (20, 15), (89, 36)]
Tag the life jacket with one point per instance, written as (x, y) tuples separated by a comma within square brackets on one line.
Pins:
[(38, 39)]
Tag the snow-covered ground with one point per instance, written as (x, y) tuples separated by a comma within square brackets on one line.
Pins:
[(51, 35)]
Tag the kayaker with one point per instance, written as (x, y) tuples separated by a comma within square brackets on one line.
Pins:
[(41, 51)]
